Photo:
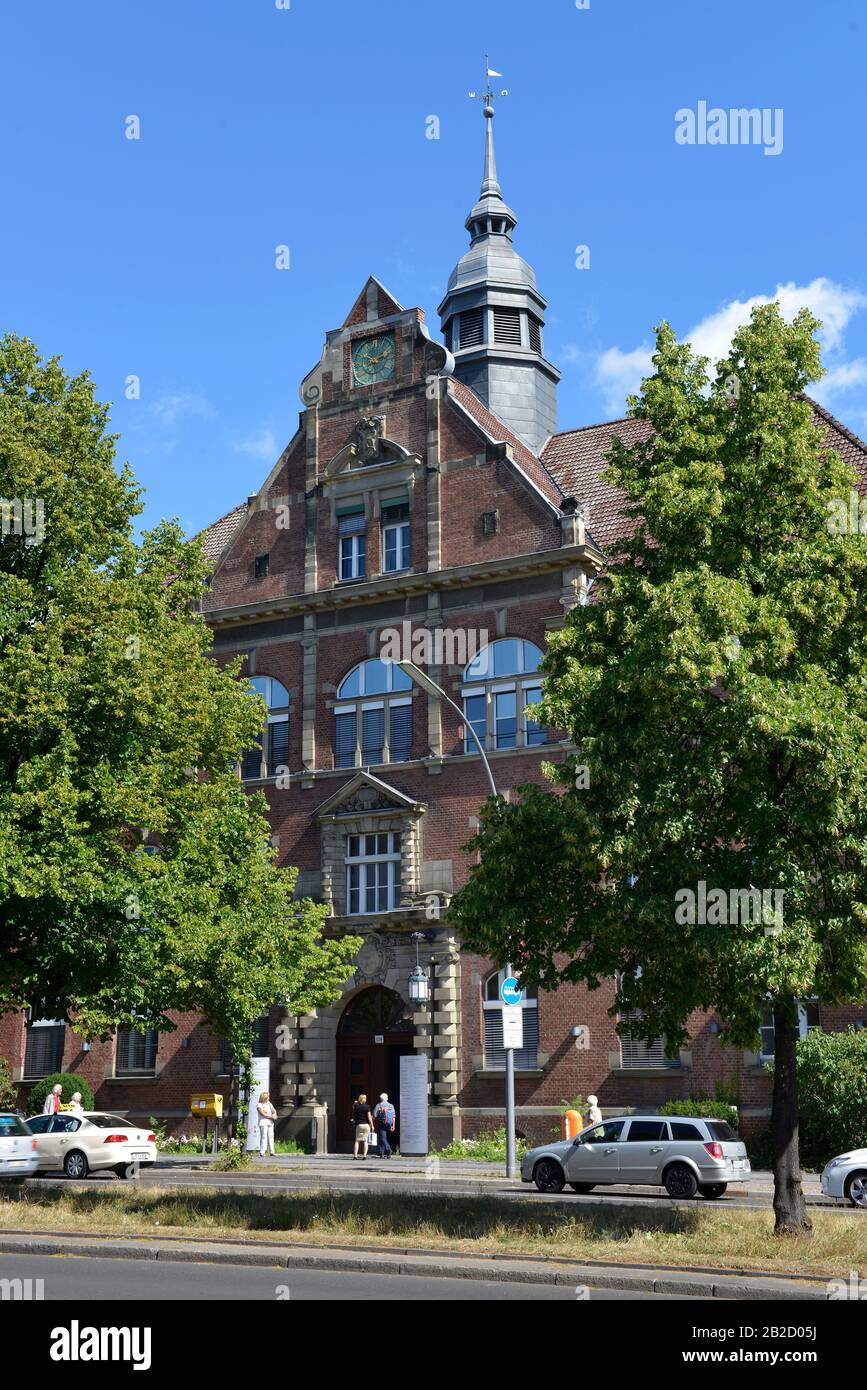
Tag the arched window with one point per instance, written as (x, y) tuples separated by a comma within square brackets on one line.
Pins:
[(527, 1058), (271, 751), (499, 684), (376, 727)]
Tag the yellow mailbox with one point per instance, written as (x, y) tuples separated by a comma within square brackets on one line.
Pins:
[(208, 1104)]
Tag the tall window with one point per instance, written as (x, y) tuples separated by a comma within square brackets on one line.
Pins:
[(43, 1053), (135, 1052), (395, 537), (526, 1057), (272, 750), (499, 685), (377, 726), (351, 529), (372, 872), (808, 1018), (634, 1051)]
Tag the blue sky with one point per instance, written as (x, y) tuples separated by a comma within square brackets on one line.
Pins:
[(306, 127)]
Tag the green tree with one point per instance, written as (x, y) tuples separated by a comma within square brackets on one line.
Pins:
[(115, 723), (716, 689), (832, 1085)]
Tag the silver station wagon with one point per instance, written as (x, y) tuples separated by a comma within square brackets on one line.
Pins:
[(683, 1154)]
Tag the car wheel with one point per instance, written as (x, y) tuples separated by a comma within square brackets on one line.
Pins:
[(125, 1170), (548, 1176), (582, 1186), (75, 1165), (856, 1189), (680, 1181), (712, 1190)]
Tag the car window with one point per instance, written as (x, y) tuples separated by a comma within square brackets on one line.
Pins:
[(65, 1124), (607, 1133), (109, 1122), (40, 1124), (11, 1124), (719, 1129), (646, 1130), (681, 1130)]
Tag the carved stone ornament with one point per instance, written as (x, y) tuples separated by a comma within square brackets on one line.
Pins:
[(368, 433)]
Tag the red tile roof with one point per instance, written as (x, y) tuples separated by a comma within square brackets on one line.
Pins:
[(576, 458), (217, 536), (501, 434)]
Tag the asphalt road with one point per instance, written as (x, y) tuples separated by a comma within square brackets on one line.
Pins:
[(91, 1279)]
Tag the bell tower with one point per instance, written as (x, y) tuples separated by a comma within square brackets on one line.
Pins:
[(493, 316)]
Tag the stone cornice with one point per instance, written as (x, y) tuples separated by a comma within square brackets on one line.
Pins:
[(400, 586)]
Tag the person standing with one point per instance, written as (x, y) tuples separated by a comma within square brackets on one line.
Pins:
[(267, 1115), (385, 1119), (75, 1105), (52, 1101), (594, 1114), (363, 1123)]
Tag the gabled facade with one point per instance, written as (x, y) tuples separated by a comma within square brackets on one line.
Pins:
[(424, 507)]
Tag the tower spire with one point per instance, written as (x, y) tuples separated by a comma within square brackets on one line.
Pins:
[(493, 314)]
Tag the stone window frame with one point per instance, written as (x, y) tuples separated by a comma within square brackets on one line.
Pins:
[(357, 704), (277, 714), (489, 686), (335, 833)]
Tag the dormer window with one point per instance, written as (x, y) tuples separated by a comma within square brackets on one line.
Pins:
[(395, 536), (351, 531)]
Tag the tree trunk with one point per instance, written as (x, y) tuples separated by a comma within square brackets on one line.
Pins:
[(790, 1209)]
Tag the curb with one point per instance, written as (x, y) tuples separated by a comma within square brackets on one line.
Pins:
[(625, 1278)]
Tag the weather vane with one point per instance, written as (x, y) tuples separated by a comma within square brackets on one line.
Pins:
[(488, 95)]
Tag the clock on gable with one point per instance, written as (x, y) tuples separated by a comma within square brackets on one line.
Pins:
[(373, 360)]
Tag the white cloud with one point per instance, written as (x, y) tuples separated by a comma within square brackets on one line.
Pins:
[(169, 408), (618, 372), (263, 446)]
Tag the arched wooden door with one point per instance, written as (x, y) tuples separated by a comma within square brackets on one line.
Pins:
[(374, 1032)]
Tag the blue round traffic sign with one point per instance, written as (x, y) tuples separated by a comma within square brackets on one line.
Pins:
[(510, 990)]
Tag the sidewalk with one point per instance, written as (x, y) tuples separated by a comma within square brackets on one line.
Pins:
[(437, 1170)]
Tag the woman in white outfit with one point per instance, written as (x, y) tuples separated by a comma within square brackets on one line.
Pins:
[(267, 1116)]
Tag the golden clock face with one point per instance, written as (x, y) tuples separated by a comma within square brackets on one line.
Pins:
[(373, 360)]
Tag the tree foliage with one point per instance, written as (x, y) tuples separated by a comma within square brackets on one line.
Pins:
[(716, 689), (115, 722), (832, 1084)]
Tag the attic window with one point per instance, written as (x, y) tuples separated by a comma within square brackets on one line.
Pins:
[(490, 523), (507, 326), (472, 328), (535, 335), (261, 566)]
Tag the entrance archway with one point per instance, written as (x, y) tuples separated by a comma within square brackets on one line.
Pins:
[(374, 1032)]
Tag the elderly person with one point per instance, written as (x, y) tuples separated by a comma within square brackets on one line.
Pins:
[(75, 1106), (594, 1114), (52, 1101), (267, 1115)]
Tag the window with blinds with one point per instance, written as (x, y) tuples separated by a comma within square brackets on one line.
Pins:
[(636, 1053), (400, 731), (507, 326), (472, 328), (495, 1057), (135, 1052), (372, 734), (44, 1051)]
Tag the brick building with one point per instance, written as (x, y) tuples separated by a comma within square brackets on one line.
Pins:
[(426, 498)]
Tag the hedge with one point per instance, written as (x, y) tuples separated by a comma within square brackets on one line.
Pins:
[(832, 1087), (69, 1082), (701, 1108)]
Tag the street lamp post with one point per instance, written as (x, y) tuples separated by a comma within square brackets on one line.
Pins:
[(424, 681)]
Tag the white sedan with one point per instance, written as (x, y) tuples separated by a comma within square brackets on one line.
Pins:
[(846, 1177), (17, 1149), (80, 1144)]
